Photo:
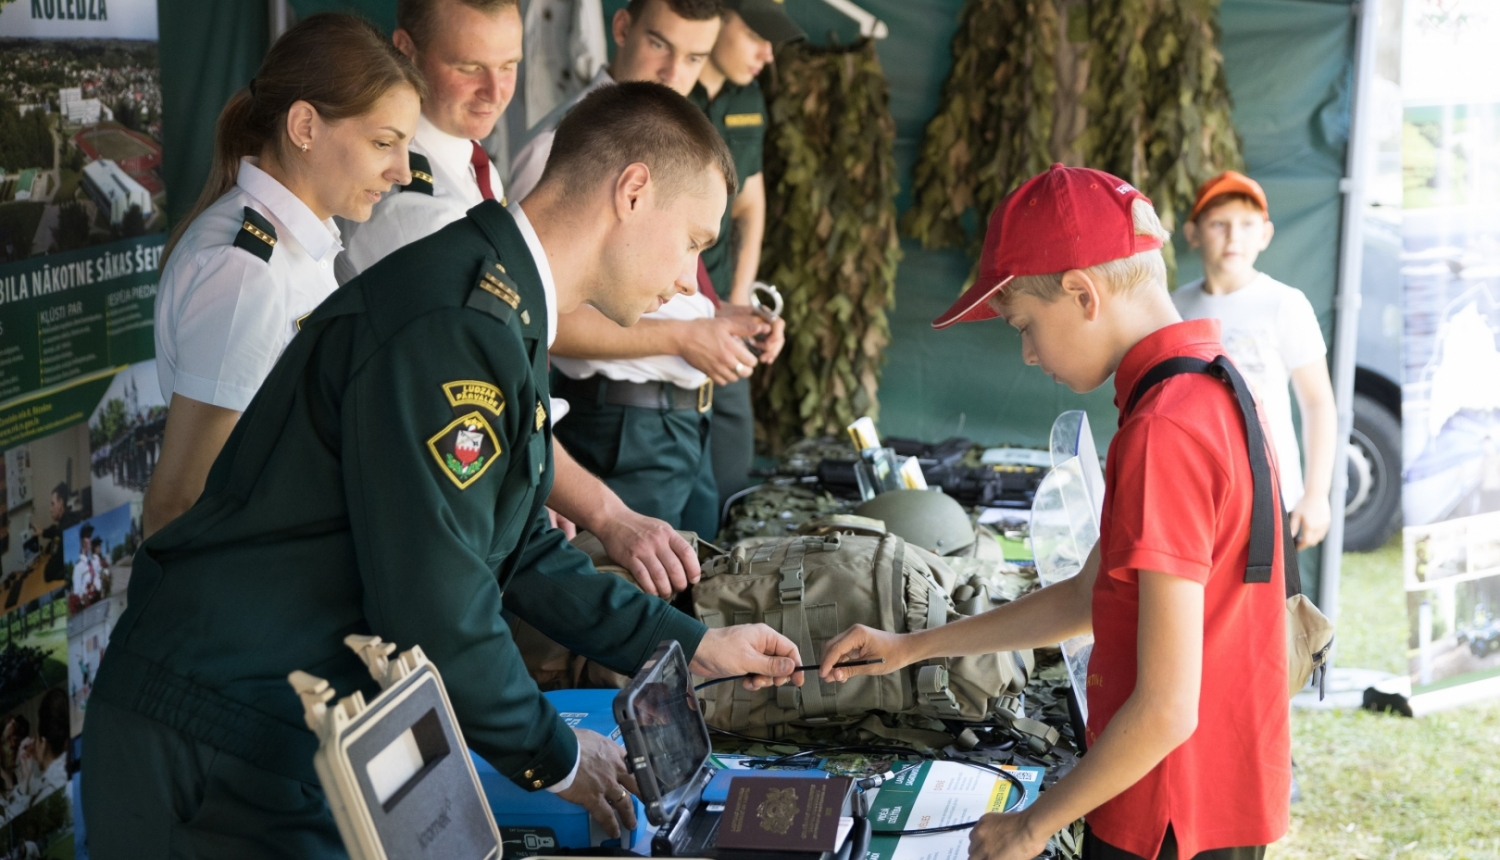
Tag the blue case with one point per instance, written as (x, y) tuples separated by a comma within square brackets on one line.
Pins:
[(513, 806)]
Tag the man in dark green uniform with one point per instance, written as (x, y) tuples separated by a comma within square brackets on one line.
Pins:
[(728, 91), (389, 479)]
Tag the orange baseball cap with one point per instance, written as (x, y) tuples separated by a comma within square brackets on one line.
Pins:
[(1230, 182)]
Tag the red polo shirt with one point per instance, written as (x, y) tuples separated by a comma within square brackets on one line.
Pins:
[(1177, 500)]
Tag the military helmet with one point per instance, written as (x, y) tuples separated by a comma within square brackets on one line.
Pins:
[(932, 520)]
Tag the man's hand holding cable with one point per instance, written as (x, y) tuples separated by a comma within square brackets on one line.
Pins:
[(748, 649), (602, 784)]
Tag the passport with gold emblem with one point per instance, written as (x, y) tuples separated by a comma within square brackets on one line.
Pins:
[(784, 814)]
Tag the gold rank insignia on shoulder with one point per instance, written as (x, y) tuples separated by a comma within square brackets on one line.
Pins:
[(499, 289), (421, 173), (474, 392), (743, 120), (465, 449), (541, 416), (257, 235)]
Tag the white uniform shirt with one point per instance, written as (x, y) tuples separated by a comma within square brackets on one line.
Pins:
[(565, 45), (1269, 330), (402, 217), (224, 315), (531, 159)]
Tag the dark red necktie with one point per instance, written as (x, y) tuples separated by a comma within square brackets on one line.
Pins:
[(481, 161), (706, 284)]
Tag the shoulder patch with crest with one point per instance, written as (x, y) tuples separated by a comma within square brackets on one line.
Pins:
[(421, 174), (465, 449), (495, 293), (474, 392), (256, 235)]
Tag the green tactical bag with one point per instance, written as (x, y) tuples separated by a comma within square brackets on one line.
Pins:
[(813, 587)]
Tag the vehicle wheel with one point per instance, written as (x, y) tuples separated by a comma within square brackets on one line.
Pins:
[(1372, 509)]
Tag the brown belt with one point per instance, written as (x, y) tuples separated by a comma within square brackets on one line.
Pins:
[(644, 395)]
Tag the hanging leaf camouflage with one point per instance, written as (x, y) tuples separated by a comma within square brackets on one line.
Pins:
[(831, 245), (994, 122), (1134, 87)]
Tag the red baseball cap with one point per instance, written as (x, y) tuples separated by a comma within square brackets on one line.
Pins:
[(1066, 218), (1229, 182)]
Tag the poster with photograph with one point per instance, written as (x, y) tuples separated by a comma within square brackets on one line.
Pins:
[(82, 226), (1451, 346)]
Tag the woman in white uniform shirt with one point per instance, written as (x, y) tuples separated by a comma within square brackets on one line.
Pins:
[(322, 130)]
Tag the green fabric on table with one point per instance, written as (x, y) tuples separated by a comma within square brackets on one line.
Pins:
[(387, 479)]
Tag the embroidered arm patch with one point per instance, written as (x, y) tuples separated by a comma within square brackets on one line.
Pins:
[(465, 449), (474, 392)]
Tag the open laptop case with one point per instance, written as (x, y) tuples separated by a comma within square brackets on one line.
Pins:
[(667, 748)]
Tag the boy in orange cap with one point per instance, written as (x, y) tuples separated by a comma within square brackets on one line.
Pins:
[(1272, 333), (1189, 742)]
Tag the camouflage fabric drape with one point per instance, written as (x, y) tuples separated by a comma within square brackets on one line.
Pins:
[(1134, 87), (830, 245)]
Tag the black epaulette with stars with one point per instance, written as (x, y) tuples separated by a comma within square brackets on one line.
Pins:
[(256, 235), (421, 174), (495, 293)]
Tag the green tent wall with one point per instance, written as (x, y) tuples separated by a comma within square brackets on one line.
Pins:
[(1289, 64)]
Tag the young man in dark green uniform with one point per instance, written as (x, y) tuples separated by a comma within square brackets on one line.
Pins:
[(389, 478), (728, 91)]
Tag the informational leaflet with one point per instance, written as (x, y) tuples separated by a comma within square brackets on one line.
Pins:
[(940, 794)]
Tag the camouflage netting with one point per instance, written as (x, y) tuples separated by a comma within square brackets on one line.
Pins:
[(1134, 87), (830, 245)]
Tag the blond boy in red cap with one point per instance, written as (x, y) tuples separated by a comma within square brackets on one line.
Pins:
[(1189, 744), (1272, 333)]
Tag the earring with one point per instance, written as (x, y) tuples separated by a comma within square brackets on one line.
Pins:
[(304, 147)]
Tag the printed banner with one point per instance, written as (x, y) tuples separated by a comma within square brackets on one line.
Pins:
[(82, 227), (1451, 353)]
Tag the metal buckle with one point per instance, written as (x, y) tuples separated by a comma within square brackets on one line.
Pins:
[(705, 396)]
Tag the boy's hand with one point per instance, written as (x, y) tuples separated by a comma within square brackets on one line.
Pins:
[(865, 643), (1005, 836), (1309, 520)]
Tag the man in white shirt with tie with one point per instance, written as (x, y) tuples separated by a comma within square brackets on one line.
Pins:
[(469, 52)]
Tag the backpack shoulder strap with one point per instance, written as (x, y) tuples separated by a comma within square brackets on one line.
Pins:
[(1264, 506)]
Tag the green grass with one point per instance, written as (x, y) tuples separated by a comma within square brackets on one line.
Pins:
[(1376, 786)]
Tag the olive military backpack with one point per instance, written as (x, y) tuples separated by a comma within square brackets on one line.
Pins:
[(811, 588)]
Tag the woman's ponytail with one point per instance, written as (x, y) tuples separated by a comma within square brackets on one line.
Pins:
[(340, 64)]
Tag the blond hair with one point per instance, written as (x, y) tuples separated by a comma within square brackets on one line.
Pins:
[(1123, 275)]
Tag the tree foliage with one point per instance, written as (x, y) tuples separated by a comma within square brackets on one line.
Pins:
[(1134, 87), (831, 245)]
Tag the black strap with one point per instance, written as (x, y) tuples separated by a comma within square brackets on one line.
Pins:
[(1265, 507)]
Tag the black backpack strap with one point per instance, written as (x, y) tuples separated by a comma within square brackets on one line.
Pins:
[(1264, 506)]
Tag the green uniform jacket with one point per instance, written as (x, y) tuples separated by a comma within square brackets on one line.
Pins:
[(739, 113), (388, 479)]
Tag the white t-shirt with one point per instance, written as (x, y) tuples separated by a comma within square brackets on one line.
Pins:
[(655, 368), (402, 217), (224, 315), (1269, 330)]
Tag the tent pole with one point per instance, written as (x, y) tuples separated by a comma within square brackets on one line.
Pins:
[(1347, 301)]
